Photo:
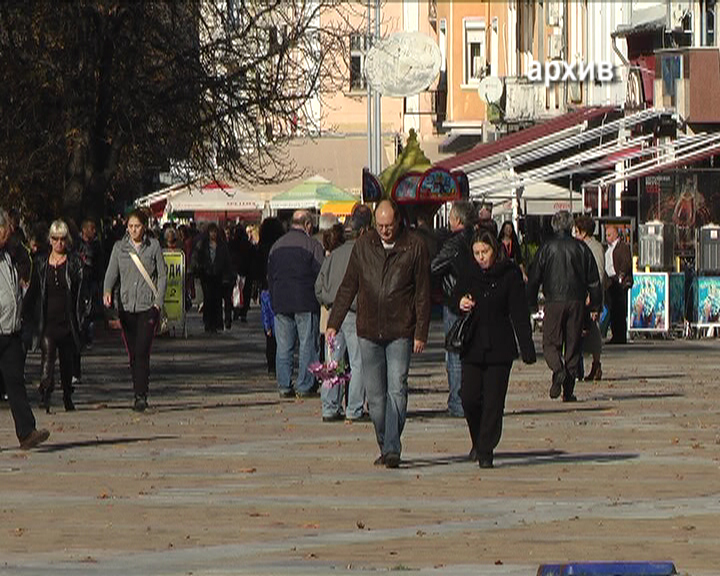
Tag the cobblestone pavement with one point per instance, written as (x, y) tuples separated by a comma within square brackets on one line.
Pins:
[(221, 476)]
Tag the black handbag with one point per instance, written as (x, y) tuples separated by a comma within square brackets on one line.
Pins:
[(459, 335)]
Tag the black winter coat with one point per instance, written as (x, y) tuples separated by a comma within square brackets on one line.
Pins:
[(78, 304), (567, 271), (453, 255), (500, 314)]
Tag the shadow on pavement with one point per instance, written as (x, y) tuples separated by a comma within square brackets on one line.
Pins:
[(640, 396), (59, 447), (569, 407)]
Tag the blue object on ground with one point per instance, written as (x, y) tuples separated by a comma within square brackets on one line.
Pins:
[(608, 569)]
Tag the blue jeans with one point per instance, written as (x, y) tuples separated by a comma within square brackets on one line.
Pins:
[(288, 327), (454, 368), (346, 338), (385, 372)]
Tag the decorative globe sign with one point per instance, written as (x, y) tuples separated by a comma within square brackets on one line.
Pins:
[(404, 64)]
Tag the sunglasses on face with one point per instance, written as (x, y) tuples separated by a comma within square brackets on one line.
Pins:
[(58, 238)]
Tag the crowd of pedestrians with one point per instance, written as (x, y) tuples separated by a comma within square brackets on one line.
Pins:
[(362, 291)]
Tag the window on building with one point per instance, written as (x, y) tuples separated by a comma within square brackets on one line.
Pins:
[(359, 45), (474, 62), (710, 7), (671, 74)]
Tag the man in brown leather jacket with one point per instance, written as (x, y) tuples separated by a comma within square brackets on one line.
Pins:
[(389, 271)]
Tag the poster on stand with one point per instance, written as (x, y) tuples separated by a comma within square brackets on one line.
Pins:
[(677, 299), (649, 302), (708, 301)]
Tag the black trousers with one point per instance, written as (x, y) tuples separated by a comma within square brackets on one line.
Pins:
[(270, 352), (52, 348), (483, 391), (227, 292), (617, 300), (12, 368), (562, 329), (212, 302), (138, 329)]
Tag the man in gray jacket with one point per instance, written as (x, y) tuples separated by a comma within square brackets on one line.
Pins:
[(12, 355), (328, 281)]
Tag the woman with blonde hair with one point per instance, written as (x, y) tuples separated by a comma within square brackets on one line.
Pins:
[(60, 301)]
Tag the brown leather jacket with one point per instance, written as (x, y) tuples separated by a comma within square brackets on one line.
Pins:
[(392, 287)]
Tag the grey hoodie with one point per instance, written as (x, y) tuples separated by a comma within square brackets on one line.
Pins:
[(10, 296), (135, 294), (332, 273)]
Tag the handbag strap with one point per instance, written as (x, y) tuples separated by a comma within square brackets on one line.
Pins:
[(141, 268)]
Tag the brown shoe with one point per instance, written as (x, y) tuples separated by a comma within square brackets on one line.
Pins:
[(35, 438)]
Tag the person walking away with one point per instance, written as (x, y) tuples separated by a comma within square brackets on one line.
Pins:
[(137, 264), (491, 288), (592, 340), (566, 269), (618, 268), (455, 253), (270, 230), (389, 272), (12, 355), (293, 265), (60, 302), (327, 284)]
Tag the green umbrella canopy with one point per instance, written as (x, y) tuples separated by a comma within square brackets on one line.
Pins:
[(312, 193), (412, 159)]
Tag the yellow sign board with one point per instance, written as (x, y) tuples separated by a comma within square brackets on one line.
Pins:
[(175, 292)]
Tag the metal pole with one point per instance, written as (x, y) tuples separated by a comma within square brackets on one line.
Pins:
[(369, 94), (378, 111)]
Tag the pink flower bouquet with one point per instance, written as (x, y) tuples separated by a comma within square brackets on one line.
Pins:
[(331, 373)]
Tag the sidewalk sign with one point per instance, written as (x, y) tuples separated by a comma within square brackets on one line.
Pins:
[(648, 305), (174, 304)]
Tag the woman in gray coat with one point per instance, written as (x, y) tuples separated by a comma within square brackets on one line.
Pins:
[(137, 263)]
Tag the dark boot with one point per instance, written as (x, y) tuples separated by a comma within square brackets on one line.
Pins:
[(595, 371), (67, 399), (45, 390)]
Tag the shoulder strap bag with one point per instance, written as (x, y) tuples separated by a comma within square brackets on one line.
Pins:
[(162, 325)]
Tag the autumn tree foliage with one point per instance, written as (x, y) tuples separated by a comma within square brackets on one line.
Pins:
[(97, 96)]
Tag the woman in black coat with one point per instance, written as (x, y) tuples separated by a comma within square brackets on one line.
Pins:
[(59, 300), (491, 285)]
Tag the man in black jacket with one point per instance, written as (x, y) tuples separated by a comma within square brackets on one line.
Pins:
[(567, 271), (455, 252)]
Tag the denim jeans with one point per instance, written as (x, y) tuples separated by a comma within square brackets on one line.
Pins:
[(385, 372), (288, 328), (454, 368), (346, 338)]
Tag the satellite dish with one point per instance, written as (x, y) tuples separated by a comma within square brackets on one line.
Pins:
[(404, 64), (490, 89)]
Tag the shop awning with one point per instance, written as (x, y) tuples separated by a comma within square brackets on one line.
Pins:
[(339, 208)]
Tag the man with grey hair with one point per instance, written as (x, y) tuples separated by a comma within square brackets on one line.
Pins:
[(567, 271), (293, 265), (12, 355), (445, 267)]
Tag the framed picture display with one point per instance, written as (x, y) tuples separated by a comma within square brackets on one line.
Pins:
[(648, 302), (707, 301)]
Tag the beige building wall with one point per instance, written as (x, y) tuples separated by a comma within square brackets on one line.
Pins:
[(346, 112), (472, 22)]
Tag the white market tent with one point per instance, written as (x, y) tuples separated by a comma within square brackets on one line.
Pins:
[(215, 196)]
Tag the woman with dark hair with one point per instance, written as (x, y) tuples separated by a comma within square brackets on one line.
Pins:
[(510, 245), (211, 263), (490, 287), (137, 263), (60, 302)]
